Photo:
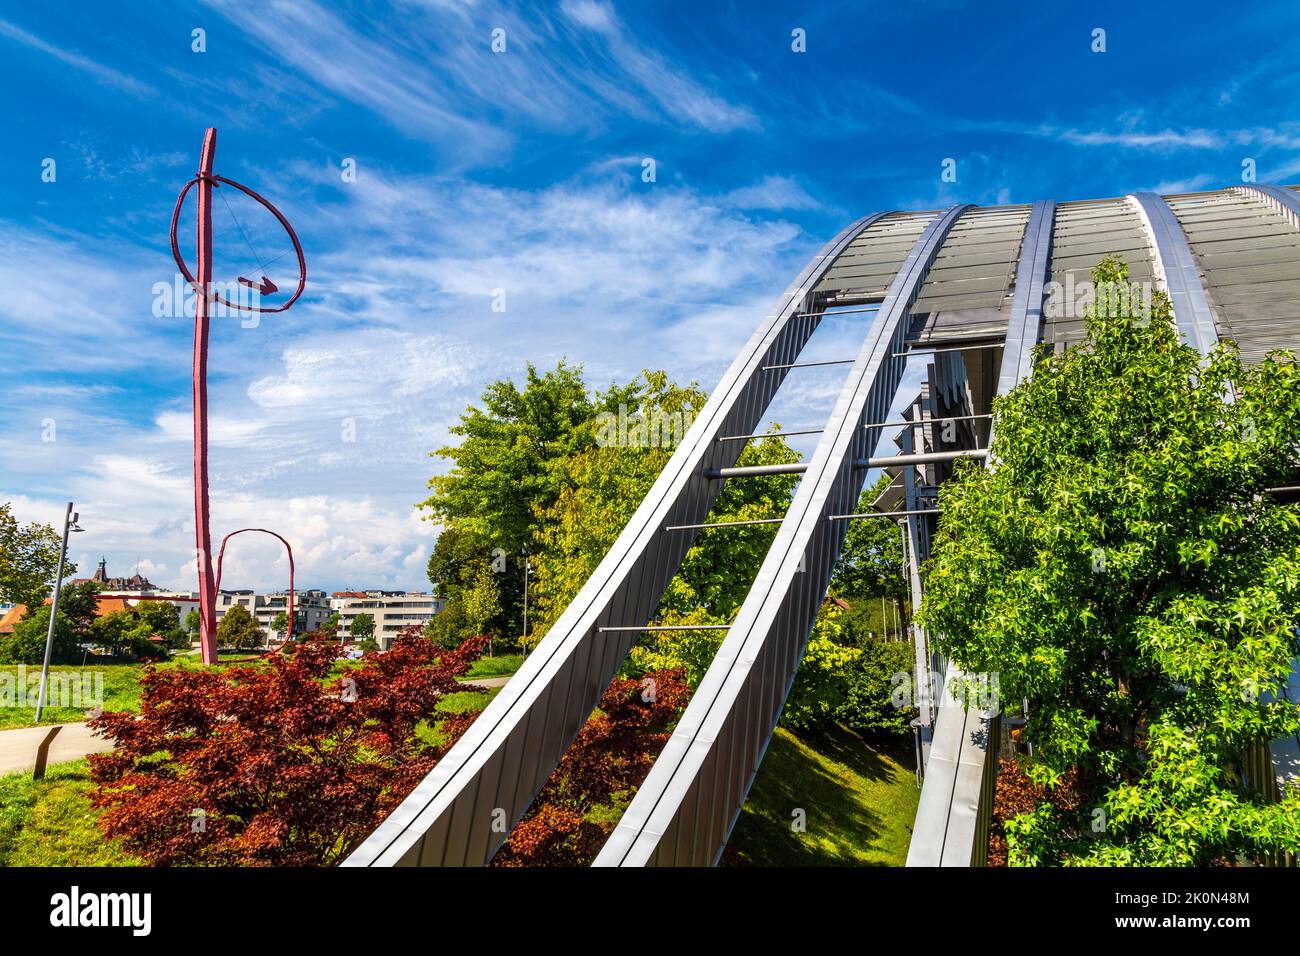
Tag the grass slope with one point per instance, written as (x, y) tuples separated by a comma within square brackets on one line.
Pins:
[(51, 822), (860, 799)]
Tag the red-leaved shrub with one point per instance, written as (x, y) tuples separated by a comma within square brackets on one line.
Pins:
[(608, 759), (274, 764)]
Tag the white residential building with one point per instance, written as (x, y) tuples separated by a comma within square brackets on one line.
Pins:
[(392, 611), (311, 608)]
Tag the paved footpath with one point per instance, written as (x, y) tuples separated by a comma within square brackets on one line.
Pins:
[(18, 746), (488, 681)]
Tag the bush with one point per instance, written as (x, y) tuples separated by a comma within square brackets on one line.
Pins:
[(26, 645), (273, 765), (611, 756)]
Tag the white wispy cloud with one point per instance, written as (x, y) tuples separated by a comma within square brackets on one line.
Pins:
[(321, 423), (103, 74), (434, 75)]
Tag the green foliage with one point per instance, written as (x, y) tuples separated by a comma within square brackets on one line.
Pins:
[(501, 474), (26, 645), (77, 603), (1121, 569), (362, 627), (280, 623), (868, 703), (871, 562), (238, 629), (194, 619), (160, 617), (29, 559), (603, 485), (824, 677), (126, 634), (482, 601)]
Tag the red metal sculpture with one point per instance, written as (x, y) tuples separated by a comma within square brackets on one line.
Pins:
[(221, 555), (201, 281)]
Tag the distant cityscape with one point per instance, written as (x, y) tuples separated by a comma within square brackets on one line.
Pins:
[(312, 607)]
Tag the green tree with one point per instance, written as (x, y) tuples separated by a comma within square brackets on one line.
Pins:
[(238, 629), (77, 602), (1123, 570), (603, 484), (29, 559), (871, 561), (501, 472), (482, 602), (362, 627), (192, 622), (161, 619), (280, 623), (26, 645), (126, 634)]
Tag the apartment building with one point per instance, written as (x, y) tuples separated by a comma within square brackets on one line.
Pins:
[(311, 608), (391, 610)]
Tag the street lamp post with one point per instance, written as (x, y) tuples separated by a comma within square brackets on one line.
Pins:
[(69, 524), (527, 568)]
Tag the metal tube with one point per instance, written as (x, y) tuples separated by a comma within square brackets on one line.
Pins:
[(889, 461), (898, 424), (769, 368), (949, 348), (203, 281), (54, 613), (669, 627), (722, 524), (885, 514)]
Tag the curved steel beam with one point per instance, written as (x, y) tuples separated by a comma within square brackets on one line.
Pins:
[(1285, 201), (1175, 265), (221, 557), (689, 802), (463, 810), (947, 817)]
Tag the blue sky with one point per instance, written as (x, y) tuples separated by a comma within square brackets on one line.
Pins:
[(520, 171)]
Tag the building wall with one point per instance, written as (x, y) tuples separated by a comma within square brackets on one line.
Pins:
[(392, 612), (311, 608)]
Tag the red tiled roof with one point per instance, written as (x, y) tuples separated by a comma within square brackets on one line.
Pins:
[(12, 617)]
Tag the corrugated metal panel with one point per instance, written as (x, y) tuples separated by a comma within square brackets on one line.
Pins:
[(1249, 257), (1085, 233), (863, 271)]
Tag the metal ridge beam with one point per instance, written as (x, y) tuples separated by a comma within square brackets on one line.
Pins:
[(1174, 264), (1285, 201), (947, 815), (686, 807), (454, 816)]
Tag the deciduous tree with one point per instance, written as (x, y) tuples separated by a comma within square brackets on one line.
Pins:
[(1123, 568)]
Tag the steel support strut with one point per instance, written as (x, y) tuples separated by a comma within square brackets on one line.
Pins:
[(463, 810), (946, 818), (687, 805), (203, 279)]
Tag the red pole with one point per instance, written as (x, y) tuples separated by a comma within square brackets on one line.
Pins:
[(203, 279)]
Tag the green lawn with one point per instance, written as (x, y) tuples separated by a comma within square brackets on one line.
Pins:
[(121, 692), (859, 798), (503, 665), (51, 823)]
